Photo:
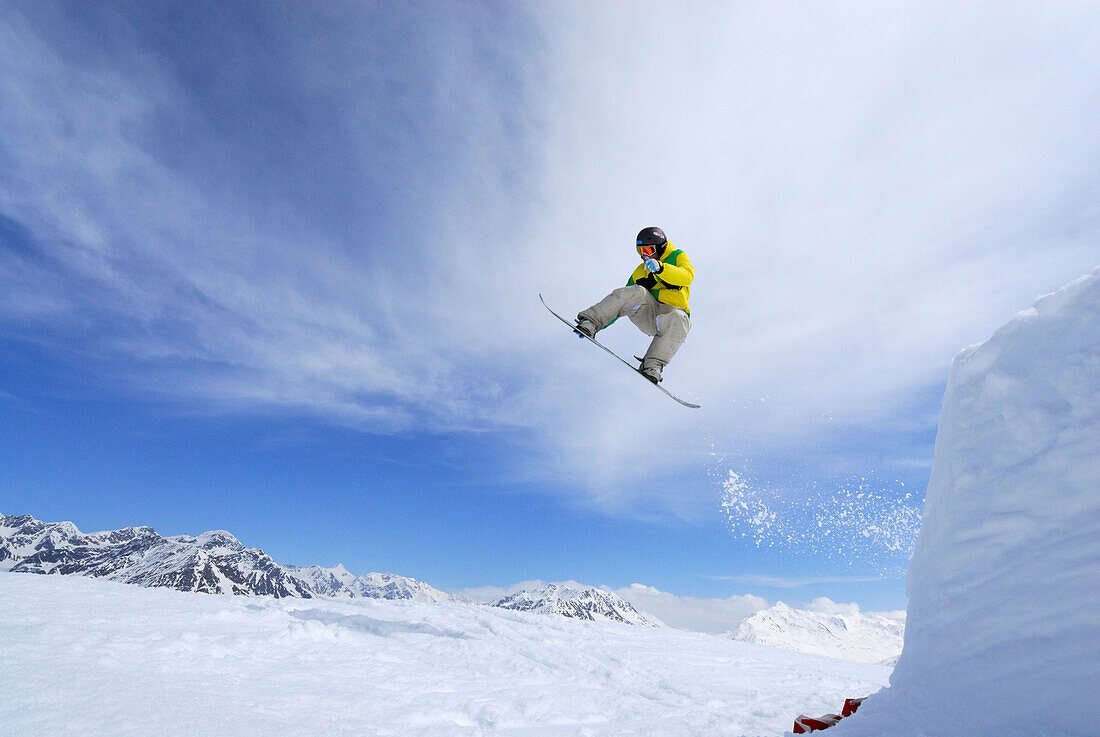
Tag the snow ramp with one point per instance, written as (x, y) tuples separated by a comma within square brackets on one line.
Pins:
[(1003, 627)]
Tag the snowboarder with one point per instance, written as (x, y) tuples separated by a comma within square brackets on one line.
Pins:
[(655, 299)]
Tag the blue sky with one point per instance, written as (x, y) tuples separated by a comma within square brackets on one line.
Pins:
[(275, 271)]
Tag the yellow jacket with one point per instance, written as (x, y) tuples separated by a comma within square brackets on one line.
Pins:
[(672, 285)]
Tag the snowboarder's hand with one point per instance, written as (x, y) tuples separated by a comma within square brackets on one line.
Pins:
[(653, 266)]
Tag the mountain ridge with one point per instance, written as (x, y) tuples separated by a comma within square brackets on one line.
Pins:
[(577, 602), (213, 562)]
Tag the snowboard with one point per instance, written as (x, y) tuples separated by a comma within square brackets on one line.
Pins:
[(632, 367)]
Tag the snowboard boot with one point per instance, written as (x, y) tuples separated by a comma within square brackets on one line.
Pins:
[(585, 327), (652, 372)]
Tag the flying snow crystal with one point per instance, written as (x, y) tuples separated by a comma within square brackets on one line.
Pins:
[(854, 522)]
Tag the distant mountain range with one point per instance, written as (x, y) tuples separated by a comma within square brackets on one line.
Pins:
[(217, 563), (213, 563), (840, 632), (578, 603)]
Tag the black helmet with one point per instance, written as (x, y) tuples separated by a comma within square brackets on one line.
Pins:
[(651, 238)]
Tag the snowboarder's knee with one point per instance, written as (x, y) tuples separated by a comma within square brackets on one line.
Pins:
[(631, 293), (675, 322)]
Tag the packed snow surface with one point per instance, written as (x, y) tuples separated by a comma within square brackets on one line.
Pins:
[(1003, 627), (84, 656)]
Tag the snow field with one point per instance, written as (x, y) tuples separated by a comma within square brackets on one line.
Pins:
[(92, 657)]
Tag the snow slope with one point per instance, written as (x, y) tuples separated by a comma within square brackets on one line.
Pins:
[(835, 630), (1003, 629), (93, 657)]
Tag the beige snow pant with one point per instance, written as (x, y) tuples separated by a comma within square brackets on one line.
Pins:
[(668, 325)]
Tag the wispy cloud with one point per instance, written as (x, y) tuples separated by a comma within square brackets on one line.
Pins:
[(253, 232)]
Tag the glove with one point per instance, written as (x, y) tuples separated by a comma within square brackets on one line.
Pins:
[(653, 266)]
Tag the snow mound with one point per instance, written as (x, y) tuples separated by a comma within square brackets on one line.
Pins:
[(836, 631), (1003, 629)]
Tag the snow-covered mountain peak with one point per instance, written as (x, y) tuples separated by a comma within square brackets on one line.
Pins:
[(839, 631), (390, 586), (126, 534), (322, 581), (214, 562), (577, 602), (64, 530), (214, 539), (338, 582)]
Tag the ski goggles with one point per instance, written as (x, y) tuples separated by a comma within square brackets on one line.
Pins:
[(647, 250)]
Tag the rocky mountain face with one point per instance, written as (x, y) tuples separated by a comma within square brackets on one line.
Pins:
[(578, 603), (213, 562), (839, 631)]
